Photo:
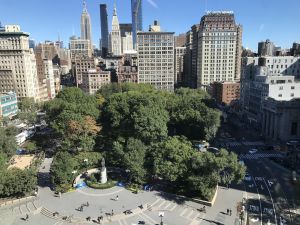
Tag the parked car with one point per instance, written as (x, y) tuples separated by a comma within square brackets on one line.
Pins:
[(253, 150), (247, 177), (241, 162)]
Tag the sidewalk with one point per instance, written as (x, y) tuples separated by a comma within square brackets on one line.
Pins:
[(226, 199)]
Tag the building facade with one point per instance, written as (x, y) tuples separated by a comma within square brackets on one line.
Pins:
[(104, 30), (80, 66), (18, 71), (127, 44), (8, 104), (179, 61), (93, 80), (156, 58), (80, 47), (116, 42), (219, 49), (86, 30), (225, 92), (266, 48), (281, 119), (137, 19)]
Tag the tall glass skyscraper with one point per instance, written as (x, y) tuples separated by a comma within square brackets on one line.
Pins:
[(137, 18), (104, 29)]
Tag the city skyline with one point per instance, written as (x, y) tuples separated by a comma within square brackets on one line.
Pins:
[(258, 18)]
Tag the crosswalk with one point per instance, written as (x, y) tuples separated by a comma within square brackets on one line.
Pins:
[(261, 155), (189, 213), (245, 143)]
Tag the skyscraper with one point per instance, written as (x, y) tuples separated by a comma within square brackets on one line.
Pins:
[(137, 19), (86, 32), (156, 58), (18, 71), (116, 47), (219, 48), (104, 29)]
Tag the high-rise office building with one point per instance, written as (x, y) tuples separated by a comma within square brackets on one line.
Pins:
[(116, 42), (86, 30), (80, 47), (266, 48), (137, 19), (125, 28), (219, 48), (17, 63), (104, 30), (156, 58), (179, 60)]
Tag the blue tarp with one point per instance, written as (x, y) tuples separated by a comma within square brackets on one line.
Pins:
[(81, 185), (120, 184)]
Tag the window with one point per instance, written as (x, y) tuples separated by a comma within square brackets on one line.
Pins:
[(292, 94), (294, 128), (281, 88), (292, 87), (280, 95)]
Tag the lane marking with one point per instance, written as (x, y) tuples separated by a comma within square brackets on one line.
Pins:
[(147, 218), (259, 201), (183, 212), (189, 215), (161, 204), (165, 207), (172, 209), (272, 201)]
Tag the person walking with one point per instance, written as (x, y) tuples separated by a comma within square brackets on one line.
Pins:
[(117, 197), (230, 212), (87, 204), (227, 211), (112, 212), (27, 217)]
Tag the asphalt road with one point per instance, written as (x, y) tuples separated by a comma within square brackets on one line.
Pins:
[(270, 192)]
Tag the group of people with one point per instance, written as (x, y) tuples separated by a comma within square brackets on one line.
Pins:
[(229, 212), (82, 206)]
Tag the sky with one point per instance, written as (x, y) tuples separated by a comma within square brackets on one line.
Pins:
[(278, 20)]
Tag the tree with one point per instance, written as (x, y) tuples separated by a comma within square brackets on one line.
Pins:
[(190, 116), (135, 114), (134, 160), (8, 144), (170, 158), (207, 170), (16, 182), (61, 169)]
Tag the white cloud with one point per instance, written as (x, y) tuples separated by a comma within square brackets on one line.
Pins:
[(153, 3), (262, 27)]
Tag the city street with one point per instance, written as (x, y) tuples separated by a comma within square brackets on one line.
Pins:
[(270, 193)]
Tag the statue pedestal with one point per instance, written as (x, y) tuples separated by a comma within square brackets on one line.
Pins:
[(103, 175)]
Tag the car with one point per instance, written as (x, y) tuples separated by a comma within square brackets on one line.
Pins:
[(247, 177), (213, 149), (241, 162), (253, 150)]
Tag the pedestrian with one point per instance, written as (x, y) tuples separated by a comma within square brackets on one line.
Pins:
[(112, 212), (117, 197), (227, 211), (99, 219), (87, 204), (81, 208), (88, 218), (230, 212), (27, 217)]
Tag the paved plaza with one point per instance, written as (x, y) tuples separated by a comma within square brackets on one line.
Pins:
[(105, 203)]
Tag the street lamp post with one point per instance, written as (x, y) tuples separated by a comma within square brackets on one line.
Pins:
[(86, 161), (161, 215)]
